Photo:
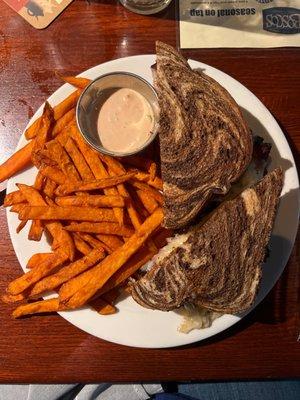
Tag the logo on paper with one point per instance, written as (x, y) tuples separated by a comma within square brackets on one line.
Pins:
[(281, 20)]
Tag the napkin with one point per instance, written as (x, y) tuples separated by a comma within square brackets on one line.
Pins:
[(239, 23)]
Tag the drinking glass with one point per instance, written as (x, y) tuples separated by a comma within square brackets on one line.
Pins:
[(145, 6)]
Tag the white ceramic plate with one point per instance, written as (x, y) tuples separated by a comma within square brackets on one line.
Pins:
[(140, 327)]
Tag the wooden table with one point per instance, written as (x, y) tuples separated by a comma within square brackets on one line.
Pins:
[(49, 349)]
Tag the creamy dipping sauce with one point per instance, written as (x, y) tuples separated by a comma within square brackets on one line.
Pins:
[(125, 121)]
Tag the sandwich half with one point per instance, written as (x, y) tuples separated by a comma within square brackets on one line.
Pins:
[(205, 143), (216, 265)]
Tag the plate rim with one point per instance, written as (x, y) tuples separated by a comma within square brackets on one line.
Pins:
[(226, 320)]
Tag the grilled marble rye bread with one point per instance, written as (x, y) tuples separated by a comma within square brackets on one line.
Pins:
[(205, 143), (216, 265)]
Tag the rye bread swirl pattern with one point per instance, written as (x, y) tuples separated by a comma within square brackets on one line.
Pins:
[(218, 265), (205, 143)]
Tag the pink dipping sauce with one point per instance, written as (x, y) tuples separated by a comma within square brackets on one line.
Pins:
[(125, 121)]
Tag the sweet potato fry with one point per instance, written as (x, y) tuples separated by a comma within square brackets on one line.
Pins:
[(32, 130), (59, 110), (76, 81), (42, 158), (149, 202), (35, 231), (43, 134), (108, 228), (109, 242), (108, 309), (48, 158), (17, 162), (54, 174), (58, 153), (61, 238), (93, 185), (29, 278), (95, 243), (78, 160), (113, 164), (134, 216), (90, 155), (81, 245), (12, 198), (143, 177), (148, 189), (32, 195), (105, 247), (17, 207), (50, 201), (112, 242), (66, 105), (138, 162), (66, 213), (138, 205), (116, 169), (21, 226), (36, 228), (37, 259), (62, 122), (102, 306), (80, 289), (37, 307), (39, 182), (128, 269), (64, 274), (97, 168), (64, 135), (91, 200), (152, 171), (9, 298), (49, 188)]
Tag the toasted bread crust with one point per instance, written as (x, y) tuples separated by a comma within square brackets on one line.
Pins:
[(219, 264), (205, 143)]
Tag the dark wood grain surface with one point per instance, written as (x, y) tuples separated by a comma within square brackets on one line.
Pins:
[(48, 349)]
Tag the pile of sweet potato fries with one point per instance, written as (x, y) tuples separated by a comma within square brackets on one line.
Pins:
[(101, 216)]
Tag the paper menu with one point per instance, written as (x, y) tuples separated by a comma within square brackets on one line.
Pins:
[(239, 23), (39, 13)]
